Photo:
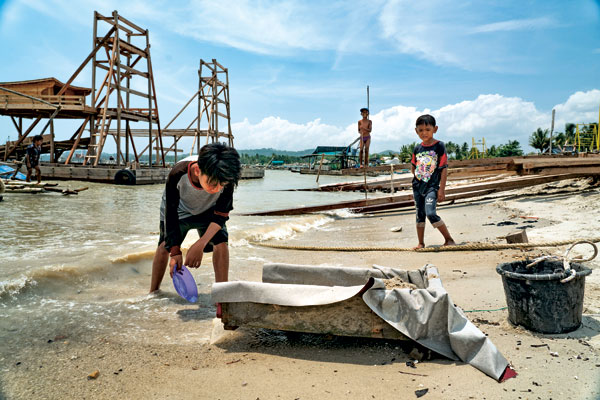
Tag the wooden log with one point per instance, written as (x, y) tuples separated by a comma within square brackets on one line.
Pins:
[(411, 203), (351, 317), (589, 170), (24, 190)]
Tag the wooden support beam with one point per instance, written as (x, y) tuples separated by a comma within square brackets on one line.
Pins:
[(84, 63), (132, 49), (128, 90), (8, 152), (77, 139)]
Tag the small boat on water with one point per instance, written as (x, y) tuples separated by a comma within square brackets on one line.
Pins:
[(6, 171)]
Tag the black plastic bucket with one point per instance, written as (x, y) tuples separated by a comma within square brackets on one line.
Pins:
[(537, 299)]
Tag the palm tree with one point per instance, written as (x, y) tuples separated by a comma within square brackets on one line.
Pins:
[(540, 139), (570, 132), (406, 152), (465, 150), (558, 140), (451, 148)]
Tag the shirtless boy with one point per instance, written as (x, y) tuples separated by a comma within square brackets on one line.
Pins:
[(364, 129)]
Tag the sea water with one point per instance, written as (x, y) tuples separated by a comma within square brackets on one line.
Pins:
[(74, 265)]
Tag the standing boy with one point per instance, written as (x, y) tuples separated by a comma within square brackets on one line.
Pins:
[(364, 129), (198, 195), (429, 167)]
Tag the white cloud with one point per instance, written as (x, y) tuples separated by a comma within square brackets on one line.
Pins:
[(516, 25), (267, 27), (445, 33), (282, 134), (580, 107), (491, 116)]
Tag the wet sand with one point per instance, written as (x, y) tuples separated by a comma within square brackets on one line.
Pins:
[(172, 355)]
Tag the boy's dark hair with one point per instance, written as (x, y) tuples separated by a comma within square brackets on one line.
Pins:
[(37, 137), (426, 120), (220, 163), (364, 109)]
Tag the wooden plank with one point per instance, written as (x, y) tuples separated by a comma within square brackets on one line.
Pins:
[(132, 49), (590, 170), (351, 317), (411, 203), (112, 22), (506, 184), (132, 25), (128, 90), (134, 71)]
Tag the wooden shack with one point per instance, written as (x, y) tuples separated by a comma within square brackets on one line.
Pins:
[(72, 100), (45, 87)]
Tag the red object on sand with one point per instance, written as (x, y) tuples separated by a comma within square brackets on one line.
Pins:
[(507, 374), (219, 311)]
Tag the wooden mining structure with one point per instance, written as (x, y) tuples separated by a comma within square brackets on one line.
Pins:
[(120, 61)]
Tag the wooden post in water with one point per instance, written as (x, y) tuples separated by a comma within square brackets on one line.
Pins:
[(364, 153), (320, 166), (552, 130), (391, 178)]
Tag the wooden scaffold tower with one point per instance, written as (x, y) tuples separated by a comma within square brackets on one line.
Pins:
[(213, 112), (123, 54), (213, 90)]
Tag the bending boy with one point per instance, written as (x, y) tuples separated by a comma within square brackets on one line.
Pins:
[(198, 195), (429, 167)]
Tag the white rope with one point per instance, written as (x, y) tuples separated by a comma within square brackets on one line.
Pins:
[(567, 260)]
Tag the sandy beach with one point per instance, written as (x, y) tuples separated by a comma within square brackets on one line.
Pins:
[(183, 353)]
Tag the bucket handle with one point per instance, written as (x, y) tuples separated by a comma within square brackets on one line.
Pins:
[(567, 260)]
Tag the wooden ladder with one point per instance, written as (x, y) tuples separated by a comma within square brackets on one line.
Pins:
[(99, 142)]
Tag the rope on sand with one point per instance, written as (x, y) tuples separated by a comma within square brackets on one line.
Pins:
[(460, 247)]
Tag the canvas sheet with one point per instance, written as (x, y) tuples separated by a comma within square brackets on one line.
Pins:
[(426, 314)]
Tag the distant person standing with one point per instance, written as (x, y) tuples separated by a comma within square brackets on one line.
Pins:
[(32, 159), (364, 129)]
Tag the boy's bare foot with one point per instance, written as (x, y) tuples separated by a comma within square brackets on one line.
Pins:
[(419, 246), (449, 243)]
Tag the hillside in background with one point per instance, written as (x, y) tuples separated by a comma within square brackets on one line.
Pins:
[(270, 151)]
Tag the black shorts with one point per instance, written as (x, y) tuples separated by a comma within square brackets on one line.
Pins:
[(200, 223)]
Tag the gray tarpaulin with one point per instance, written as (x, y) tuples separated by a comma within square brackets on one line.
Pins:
[(426, 314)]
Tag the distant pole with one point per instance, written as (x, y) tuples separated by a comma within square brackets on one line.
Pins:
[(364, 155), (552, 129)]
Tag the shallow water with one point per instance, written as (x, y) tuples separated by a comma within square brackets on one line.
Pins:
[(83, 262)]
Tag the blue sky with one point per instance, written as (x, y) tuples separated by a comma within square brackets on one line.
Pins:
[(298, 70)]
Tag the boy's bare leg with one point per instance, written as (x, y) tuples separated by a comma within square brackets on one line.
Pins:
[(366, 145), (38, 174), (221, 262), (28, 178), (448, 239), (159, 265), (421, 237)]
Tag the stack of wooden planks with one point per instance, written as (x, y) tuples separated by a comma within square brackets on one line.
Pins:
[(550, 166), (453, 192)]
